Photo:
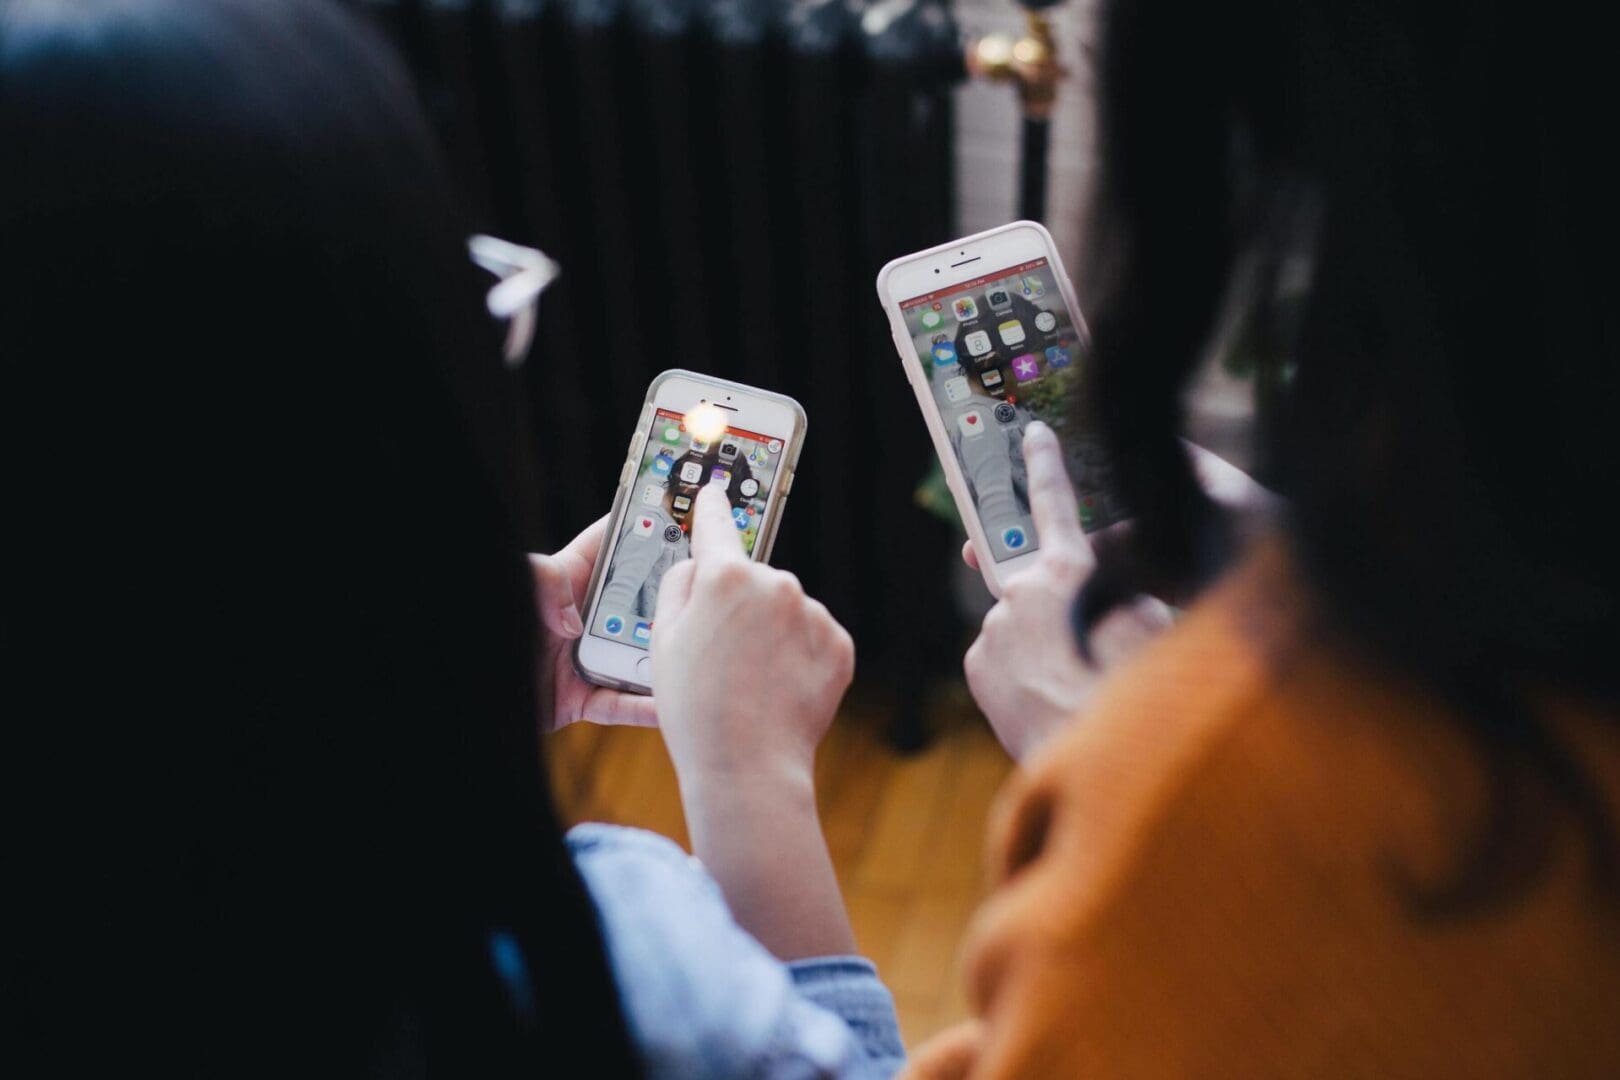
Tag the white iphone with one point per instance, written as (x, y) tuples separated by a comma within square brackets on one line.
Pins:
[(694, 430), (991, 338)]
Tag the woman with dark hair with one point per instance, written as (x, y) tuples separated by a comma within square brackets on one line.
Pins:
[(275, 663), (1356, 812)]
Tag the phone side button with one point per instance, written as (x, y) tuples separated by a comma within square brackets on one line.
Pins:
[(629, 468), (787, 485), (636, 442)]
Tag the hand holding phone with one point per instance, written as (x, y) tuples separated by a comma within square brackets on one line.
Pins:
[(749, 669), (1024, 670), (749, 673), (560, 581)]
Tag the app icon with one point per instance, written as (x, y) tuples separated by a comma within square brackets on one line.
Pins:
[(1046, 322), (672, 434), (728, 450), (1011, 331), (673, 534), (700, 445), (740, 517), (944, 354), (1012, 538), (682, 504), (757, 457), (643, 632), (749, 488), (1057, 356), (774, 446), (991, 377), (613, 625), (1000, 299), (644, 526), (720, 475), (662, 463), (1005, 413), (1088, 511), (971, 423), (965, 308), (691, 472), (978, 343), (1026, 367), (1031, 287), (957, 389), (652, 495), (930, 319)]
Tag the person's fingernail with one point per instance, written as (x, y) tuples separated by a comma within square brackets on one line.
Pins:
[(571, 620), (1036, 430)]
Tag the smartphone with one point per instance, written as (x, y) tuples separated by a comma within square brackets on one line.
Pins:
[(991, 338), (694, 430)]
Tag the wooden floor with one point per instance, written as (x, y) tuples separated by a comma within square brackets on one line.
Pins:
[(906, 833)]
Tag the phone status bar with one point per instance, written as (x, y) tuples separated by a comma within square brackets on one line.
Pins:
[(974, 283), (680, 418)]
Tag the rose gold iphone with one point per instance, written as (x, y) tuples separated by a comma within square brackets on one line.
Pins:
[(991, 338), (695, 430)]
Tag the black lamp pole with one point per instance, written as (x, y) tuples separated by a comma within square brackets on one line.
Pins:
[(1031, 63)]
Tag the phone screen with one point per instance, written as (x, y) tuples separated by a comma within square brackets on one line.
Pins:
[(674, 467), (999, 351)]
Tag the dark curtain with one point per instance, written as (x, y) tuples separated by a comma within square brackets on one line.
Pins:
[(721, 180)]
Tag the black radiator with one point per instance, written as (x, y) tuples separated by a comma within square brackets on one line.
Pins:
[(721, 180)]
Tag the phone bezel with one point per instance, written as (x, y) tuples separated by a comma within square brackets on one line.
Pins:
[(939, 268), (613, 664)]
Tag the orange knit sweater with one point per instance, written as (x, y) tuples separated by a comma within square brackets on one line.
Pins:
[(1201, 876)]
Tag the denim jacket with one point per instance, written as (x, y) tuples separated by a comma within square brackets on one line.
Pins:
[(702, 998)]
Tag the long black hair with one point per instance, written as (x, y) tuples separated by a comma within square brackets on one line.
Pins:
[(279, 802), (1404, 212)]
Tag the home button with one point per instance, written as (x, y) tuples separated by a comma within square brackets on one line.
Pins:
[(644, 671)]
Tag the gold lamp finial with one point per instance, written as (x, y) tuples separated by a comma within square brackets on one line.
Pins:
[(1029, 61)]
